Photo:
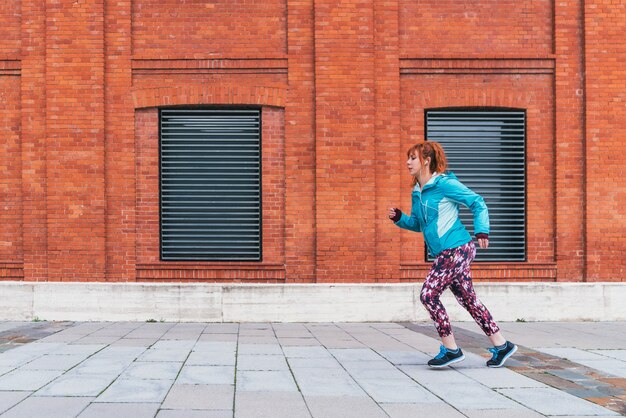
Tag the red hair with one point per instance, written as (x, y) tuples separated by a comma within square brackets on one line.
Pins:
[(432, 150)]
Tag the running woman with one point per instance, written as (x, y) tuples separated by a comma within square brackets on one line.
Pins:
[(436, 196)]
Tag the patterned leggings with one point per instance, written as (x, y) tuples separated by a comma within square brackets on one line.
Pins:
[(452, 268)]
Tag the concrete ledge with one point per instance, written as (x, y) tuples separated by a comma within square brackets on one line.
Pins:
[(300, 302)]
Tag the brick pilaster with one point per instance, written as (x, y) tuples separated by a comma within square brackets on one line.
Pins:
[(120, 144), (33, 139), (345, 140), (389, 155), (75, 139), (605, 54), (569, 153), (300, 148)]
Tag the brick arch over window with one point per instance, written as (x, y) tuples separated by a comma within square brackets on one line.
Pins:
[(222, 94), (471, 97)]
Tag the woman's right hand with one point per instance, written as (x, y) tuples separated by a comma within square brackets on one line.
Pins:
[(395, 214)]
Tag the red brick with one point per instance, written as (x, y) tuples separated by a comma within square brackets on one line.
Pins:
[(343, 86)]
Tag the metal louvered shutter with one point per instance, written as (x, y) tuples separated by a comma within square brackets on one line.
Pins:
[(210, 184), (486, 151)]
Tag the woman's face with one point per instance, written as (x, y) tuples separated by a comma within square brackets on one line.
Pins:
[(414, 165)]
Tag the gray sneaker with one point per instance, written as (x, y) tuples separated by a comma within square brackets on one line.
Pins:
[(500, 356), (446, 357)]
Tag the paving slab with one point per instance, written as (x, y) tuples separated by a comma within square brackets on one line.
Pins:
[(457, 389), (81, 349), (152, 370), (215, 347), (120, 410), (206, 375), (344, 406), (609, 366), (164, 354), (500, 413), (405, 357), (136, 391), (61, 337), (76, 385), (8, 399), (305, 352), (270, 405), (358, 354), (205, 397), (224, 328), (55, 362), (257, 340), (6, 326), (331, 343), (218, 337), (412, 410), (27, 380), (326, 382), (372, 370), (500, 378), (205, 358), (301, 362), (550, 401), (127, 353), (48, 407), (616, 354), (396, 391), (181, 345), (259, 349), (266, 332), (134, 342), (570, 353), (261, 362), (91, 339), (115, 330), (200, 413), (102, 366), (265, 380), (298, 341)]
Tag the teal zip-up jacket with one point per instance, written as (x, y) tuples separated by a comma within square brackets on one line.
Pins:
[(435, 213)]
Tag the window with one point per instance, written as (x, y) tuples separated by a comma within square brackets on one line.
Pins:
[(486, 151), (210, 179)]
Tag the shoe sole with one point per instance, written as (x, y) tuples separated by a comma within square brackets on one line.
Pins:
[(456, 360), (505, 358)]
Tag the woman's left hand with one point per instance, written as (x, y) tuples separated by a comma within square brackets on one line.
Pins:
[(483, 242)]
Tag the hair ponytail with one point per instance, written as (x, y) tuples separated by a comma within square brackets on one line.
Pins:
[(439, 163)]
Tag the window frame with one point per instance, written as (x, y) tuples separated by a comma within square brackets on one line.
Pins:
[(485, 109), (197, 260)]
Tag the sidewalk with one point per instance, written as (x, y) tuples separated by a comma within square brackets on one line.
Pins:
[(87, 369)]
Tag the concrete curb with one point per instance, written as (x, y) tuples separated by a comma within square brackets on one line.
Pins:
[(187, 302)]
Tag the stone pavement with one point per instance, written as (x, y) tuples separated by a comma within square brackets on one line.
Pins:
[(291, 370)]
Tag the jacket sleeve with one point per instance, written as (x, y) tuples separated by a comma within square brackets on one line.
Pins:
[(410, 222), (458, 192)]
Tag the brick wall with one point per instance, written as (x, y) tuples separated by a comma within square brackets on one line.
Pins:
[(605, 92), (74, 75), (452, 28), (11, 168), (343, 86), (11, 242), (201, 29), (345, 144), (10, 16)]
